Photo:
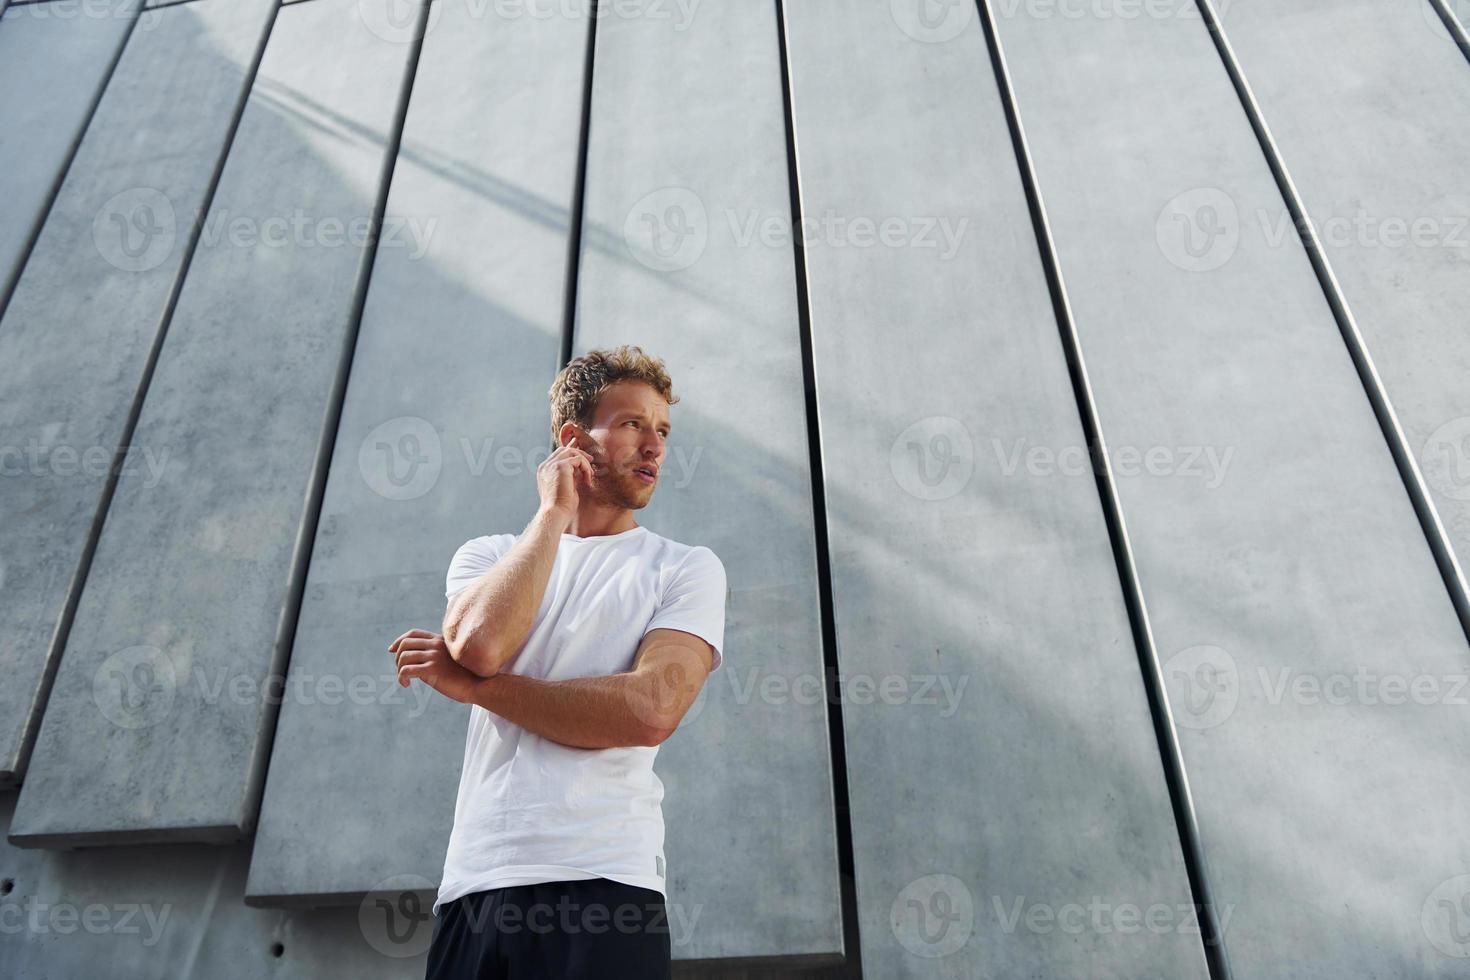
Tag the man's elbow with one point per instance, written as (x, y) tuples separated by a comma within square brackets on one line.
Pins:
[(658, 714), (478, 655), (654, 735), (658, 725)]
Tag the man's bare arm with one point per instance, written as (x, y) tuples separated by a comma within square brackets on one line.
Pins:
[(642, 706), (489, 620)]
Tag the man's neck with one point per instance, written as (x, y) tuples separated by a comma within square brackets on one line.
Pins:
[(601, 521)]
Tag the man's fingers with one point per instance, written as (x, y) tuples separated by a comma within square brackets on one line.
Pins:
[(406, 658), (577, 459), (406, 636), (568, 452), (415, 649)]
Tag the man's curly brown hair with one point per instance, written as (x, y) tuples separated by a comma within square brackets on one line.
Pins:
[(580, 384)]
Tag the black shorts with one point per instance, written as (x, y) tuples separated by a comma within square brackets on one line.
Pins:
[(594, 927)]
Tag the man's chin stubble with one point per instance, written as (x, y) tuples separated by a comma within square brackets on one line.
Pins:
[(629, 498)]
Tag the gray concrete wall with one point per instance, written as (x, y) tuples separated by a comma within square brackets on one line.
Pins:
[(174, 910), (1301, 566), (938, 359), (59, 55), (686, 126), (159, 723), (459, 340), (1376, 146), (1065, 704), (78, 335)]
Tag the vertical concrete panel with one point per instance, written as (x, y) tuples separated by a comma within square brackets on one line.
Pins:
[(1307, 641), (160, 721), (85, 314), (1377, 145), (1006, 771), (687, 141), (54, 60), (444, 420)]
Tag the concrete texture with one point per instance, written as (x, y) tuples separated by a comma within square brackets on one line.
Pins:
[(84, 317), (160, 722), (460, 338), (175, 910), (1328, 813), (1377, 144), (687, 123), (923, 471), (939, 363), (60, 60)]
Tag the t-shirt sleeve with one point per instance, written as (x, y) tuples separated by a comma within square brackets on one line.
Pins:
[(694, 601), (472, 559)]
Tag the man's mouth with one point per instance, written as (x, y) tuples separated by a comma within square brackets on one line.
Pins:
[(646, 473)]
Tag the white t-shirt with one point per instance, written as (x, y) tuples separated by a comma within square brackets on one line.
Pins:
[(531, 809)]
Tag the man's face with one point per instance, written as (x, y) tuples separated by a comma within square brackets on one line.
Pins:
[(630, 430)]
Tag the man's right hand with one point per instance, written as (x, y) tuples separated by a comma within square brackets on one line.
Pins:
[(557, 479), (425, 655)]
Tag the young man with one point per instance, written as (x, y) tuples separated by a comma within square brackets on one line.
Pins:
[(580, 644)]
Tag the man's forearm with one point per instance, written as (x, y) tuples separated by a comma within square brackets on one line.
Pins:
[(490, 620), (583, 712)]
